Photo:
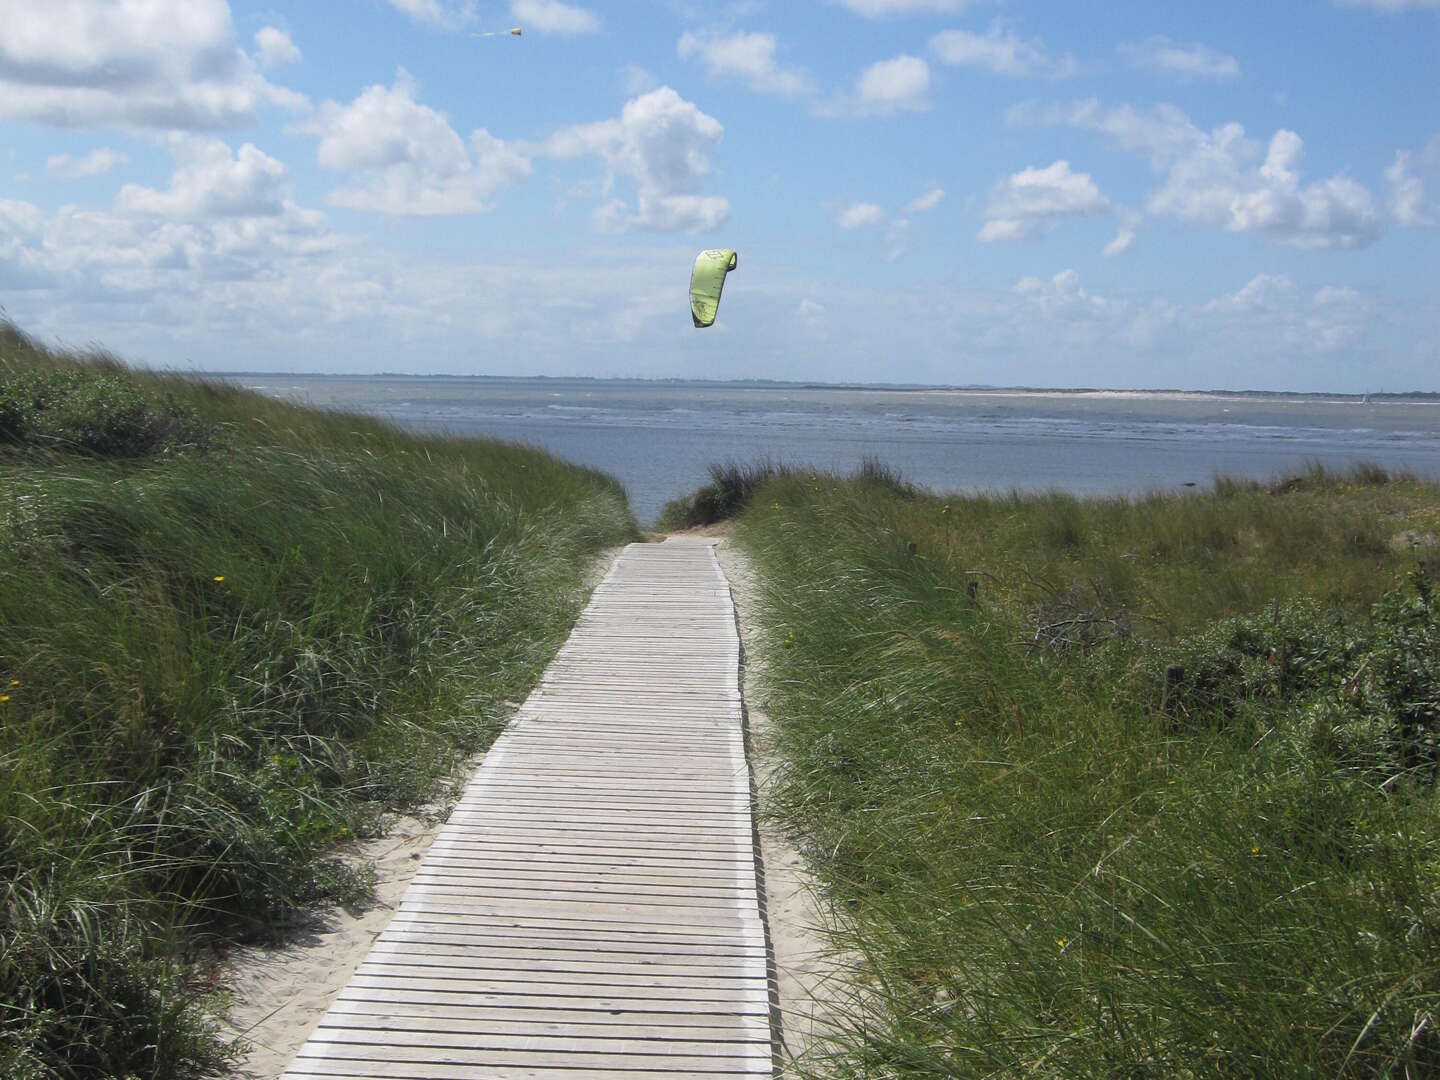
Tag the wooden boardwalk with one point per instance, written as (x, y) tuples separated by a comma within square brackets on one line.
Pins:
[(590, 909)]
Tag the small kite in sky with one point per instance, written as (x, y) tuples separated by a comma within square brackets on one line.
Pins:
[(706, 281)]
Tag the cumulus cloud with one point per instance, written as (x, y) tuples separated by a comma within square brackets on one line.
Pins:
[(894, 85), (1408, 205), (1391, 6), (408, 158), (1034, 199), (553, 17), (1186, 62), (94, 163), (226, 227), (1123, 242), (880, 9), (636, 80), (749, 57), (858, 215), (431, 12), (1002, 51), (659, 144), (1263, 292), (276, 48), (1269, 307), (923, 204), (142, 64), (211, 181), (1223, 179), (1063, 291)]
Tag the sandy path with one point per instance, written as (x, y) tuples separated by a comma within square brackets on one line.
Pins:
[(813, 994)]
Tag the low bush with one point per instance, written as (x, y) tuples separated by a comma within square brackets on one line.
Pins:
[(96, 412)]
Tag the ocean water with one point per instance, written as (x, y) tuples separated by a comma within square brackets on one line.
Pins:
[(659, 438)]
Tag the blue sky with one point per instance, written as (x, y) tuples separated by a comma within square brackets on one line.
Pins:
[(1223, 195)]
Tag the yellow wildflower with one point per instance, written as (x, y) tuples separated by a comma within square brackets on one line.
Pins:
[(219, 578), (4, 698), (1062, 942)]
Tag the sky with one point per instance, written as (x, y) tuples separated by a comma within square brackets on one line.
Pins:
[(960, 192)]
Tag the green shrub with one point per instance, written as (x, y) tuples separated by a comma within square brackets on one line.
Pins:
[(81, 409), (729, 491)]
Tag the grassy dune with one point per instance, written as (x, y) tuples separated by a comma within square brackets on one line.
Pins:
[(1114, 787), (232, 633)]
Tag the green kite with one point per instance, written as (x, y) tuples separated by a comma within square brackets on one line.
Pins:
[(706, 281)]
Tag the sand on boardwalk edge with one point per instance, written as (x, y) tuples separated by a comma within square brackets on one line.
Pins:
[(815, 994), (279, 993)]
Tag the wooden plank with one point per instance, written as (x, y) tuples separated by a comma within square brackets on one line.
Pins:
[(589, 909)]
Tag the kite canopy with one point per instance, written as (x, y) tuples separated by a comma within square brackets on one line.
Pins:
[(706, 281)]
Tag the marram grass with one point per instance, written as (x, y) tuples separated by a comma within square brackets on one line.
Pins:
[(232, 633), (1114, 787)]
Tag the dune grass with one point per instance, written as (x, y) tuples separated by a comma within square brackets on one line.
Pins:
[(232, 633), (1115, 787)]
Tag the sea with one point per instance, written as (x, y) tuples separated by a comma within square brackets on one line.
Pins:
[(659, 438)]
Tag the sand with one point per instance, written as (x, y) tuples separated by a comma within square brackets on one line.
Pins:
[(281, 992), (815, 995)]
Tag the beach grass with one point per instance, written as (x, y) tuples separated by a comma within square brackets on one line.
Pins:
[(233, 632), (1114, 787)]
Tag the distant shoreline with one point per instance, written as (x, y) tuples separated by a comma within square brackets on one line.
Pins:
[(1413, 397)]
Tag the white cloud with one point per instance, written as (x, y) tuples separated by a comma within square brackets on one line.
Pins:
[(553, 17), (858, 215), (412, 161), (659, 144), (1061, 297), (1123, 242), (211, 181), (171, 265), (1407, 193), (1034, 199), (893, 85), (1263, 292), (143, 63), (635, 80), (1212, 178), (430, 12), (276, 48), (880, 9), (1391, 6), (922, 204), (1167, 57), (92, 164), (749, 57), (1002, 51), (1331, 295), (1270, 308)]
